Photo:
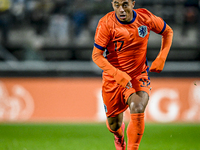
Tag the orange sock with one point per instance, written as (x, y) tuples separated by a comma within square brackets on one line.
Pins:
[(118, 133), (135, 131)]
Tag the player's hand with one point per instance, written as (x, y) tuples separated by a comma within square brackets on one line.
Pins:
[(121, 78), (157, 65)]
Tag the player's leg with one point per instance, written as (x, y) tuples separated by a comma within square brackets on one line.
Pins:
[(115, 105), (114, 124), (137, 103), (117, 127)]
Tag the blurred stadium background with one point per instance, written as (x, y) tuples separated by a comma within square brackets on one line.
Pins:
[(60, 33), (47, 76)]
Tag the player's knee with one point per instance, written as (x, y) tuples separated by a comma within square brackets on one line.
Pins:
[(115, 126), (136, 107), (137, 102)]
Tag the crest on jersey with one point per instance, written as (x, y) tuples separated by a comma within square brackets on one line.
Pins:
[(142, 30)]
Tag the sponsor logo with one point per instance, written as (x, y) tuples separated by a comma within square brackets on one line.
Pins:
[(16, 104)]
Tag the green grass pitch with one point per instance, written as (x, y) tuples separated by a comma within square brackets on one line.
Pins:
[(94, 136)]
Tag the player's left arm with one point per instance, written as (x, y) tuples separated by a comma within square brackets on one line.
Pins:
[(159, 62)]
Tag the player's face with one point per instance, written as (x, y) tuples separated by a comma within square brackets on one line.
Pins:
[(123, 9)]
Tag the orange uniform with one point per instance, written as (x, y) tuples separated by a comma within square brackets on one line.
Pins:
[(126, 49)]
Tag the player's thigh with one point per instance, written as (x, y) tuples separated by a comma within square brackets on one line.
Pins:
[(113, 99), (138, 101), (140, 88), (140, 97)]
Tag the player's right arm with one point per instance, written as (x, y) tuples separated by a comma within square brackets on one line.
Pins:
[(120, 77), (102, 37)]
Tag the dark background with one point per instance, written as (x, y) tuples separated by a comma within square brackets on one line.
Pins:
[(54, 38)]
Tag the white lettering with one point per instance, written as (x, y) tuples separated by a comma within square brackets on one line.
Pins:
[(155, 104), (194, 103)]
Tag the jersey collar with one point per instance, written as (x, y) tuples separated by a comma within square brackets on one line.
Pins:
[(124, 22)]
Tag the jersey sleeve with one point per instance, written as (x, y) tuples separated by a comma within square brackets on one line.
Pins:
[(102, 35), (158, 25)]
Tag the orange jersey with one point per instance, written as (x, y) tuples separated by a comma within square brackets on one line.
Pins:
[(126, 43)]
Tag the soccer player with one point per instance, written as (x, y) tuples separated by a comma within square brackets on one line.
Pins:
[(123, 34)]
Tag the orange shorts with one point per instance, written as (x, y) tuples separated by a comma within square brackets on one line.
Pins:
[(115, 96)]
